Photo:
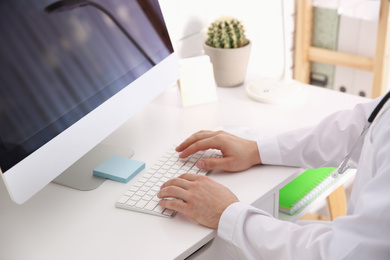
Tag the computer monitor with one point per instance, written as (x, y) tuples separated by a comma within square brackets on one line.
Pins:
[(71, 73)]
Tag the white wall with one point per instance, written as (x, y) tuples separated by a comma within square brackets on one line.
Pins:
[(187, 21)]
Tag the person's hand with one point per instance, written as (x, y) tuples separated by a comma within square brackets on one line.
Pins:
[(238, 154), (197, 197)]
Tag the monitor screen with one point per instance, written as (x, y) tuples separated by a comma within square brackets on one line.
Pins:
[(62, 60)]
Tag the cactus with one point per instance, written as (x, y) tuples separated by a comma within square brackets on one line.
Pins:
[(226, 33)]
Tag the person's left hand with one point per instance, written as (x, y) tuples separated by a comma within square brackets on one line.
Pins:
[(197, 197), (238, 154)]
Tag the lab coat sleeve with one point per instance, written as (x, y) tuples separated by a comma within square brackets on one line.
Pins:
[(250, 233), (312, 147)]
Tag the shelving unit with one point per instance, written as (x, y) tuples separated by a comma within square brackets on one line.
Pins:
[(305, 53)]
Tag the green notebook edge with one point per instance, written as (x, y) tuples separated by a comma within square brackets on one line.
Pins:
[(298, 188)]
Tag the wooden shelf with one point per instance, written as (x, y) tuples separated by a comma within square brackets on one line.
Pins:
[(305, 53)]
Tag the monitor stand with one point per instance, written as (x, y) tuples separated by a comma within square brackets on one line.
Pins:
[(80, 175)]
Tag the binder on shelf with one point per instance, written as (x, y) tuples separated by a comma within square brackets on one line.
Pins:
[(301, 191), (325, 33), (366, 47), (357, 35), (347, 43)]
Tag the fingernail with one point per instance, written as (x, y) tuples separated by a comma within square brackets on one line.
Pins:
[(201, 164)]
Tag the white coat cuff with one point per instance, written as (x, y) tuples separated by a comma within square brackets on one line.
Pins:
[(269, 150), (227, 225), (229, 220), (228, 217)]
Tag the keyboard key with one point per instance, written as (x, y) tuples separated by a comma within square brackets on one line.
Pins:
[(168, 212), (123, 199), (135, 198), (129, 193), (151, 205), (141, 203), (131, 202), (134, 188), (159, 209)]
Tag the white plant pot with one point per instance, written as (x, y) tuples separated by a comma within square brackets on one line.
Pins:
[(230, 65)]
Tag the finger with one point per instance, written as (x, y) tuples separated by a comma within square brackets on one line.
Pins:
[(215, 163), (178, 182), (190, 177), (183, 181), (173, 192), (194, 138), (176, 205), (212, 142)]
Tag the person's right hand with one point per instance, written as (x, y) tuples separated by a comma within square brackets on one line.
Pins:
[(197, 197), (238, 154)]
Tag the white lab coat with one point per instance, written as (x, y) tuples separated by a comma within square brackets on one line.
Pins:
[(250, 233)]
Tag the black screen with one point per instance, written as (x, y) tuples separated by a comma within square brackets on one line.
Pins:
[(57, 67)]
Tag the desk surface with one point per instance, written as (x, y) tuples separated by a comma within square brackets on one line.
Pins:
[(62, 223)]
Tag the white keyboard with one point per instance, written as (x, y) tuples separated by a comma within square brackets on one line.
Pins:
[(142, 196)]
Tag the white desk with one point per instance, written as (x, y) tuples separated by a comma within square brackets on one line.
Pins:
[(61, 223)]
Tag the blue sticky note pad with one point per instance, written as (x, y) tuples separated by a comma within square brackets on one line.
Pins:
[(119, 168)]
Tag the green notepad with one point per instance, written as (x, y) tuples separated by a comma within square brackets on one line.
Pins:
[(303, 189)]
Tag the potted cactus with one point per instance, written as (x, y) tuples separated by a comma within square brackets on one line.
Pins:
[(229, 51)]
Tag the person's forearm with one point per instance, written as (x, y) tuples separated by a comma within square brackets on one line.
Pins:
[(326, 143)]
